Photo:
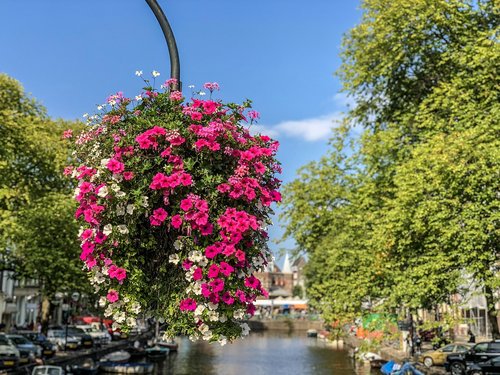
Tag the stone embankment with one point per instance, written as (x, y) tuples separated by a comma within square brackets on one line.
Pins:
[(288, 325)]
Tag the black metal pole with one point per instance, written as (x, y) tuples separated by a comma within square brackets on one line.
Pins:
[(175, 69)]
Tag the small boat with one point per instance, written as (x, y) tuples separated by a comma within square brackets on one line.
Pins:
[(312, 333), (157, 353), (127, 368), (120, 356), (85, 367), (47, 370), (171, 345), (136, 353)]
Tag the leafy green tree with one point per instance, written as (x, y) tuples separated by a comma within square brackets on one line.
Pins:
[(412, 211), (37, 228)]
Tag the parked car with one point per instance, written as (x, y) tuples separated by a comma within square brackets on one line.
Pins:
[(101, 337), (457, 363), (28, 351), (9, 355), (438, 357), (491, 366), (48, 349), (86, 340), (59, 338)]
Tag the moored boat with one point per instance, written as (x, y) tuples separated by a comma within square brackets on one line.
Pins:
[(171, 345), (120, 356), (157, 353), (127, 368), (85, 367)]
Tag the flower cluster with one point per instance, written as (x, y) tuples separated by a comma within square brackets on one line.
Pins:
[(174, 199)]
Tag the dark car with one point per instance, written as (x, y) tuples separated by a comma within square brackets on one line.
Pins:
[(484, 368), (48, 349), (86, 340), (9, 355), (479, 353), (28, 351)]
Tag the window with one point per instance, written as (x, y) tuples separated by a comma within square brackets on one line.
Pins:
[(481, 348), (448, 348), (494, 347)]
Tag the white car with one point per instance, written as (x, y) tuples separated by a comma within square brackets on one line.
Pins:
[(63, 340), (99, 336)]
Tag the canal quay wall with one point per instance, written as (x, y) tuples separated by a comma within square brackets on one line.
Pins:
[(288, 325), (389, 353)]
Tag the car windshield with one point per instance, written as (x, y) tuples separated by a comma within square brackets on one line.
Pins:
[(74, 330), (19, 340), (56, 333), (4, 341)]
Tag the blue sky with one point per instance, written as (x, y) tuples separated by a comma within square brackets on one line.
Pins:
[(280, 53)]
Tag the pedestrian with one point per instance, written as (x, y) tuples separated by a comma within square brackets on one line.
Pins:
[(472, 337)]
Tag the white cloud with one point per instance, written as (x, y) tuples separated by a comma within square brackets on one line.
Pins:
[(310, 129)]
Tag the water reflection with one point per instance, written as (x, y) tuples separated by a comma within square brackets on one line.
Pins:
[(260, 353)]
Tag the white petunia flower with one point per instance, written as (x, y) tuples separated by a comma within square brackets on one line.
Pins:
[(85, 115), (199, 310), (191, 86), (207, 335), (120, 194), (102, 301), (117, 177), (222, 340), (212, 306), (177, 245), (120, 210), (115, 188), (138, 73), (103, 191), (239, 314), (104, 162), (202, 93), (131, 322), (138, 98), (77, 192), (108, 228), (245, 329), (174, 258), (155, 73), (144, 201), (203, 328), (223, 318), (130, 209), (122, 229)]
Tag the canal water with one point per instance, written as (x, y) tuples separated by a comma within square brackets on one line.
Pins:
[(260, 354)]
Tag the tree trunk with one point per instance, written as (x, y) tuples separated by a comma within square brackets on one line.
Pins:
[(45, 314), (492, 313)]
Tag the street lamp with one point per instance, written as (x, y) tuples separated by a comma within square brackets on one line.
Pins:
[(175, 69)]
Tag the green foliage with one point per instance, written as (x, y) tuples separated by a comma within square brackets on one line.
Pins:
[(37, 228), (411, 209)]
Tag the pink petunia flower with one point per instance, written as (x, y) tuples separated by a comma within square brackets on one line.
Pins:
[(115, 166), (176, 221), (188, 304), (112, 296)]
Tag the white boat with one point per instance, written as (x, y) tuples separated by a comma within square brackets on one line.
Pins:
[(127, 368), (120, 356), (47, 370)]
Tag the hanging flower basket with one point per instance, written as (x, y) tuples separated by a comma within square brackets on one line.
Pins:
[(174, 200)]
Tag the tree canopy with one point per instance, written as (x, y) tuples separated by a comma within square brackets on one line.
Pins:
[(409, 207), (38, 233)]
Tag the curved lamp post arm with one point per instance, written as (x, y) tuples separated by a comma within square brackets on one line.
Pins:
[(175, 69)]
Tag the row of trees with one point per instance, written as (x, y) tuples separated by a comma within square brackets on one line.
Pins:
[(403, 210), (37, 226)]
